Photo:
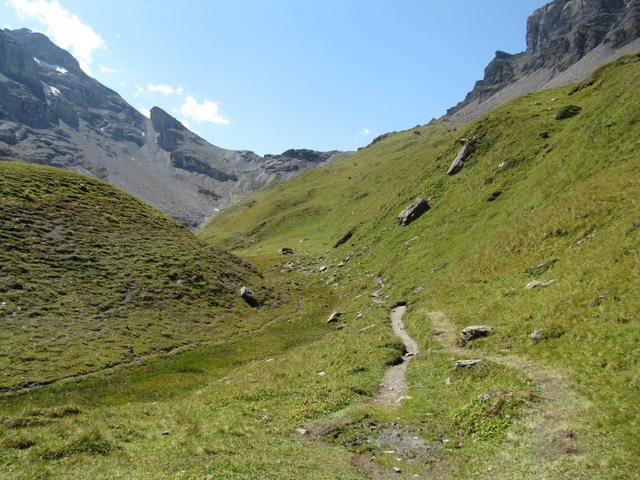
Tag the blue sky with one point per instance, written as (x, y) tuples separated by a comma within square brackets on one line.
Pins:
[(268, 75)]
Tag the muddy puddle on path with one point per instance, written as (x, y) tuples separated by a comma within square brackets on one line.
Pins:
[(400, 443)]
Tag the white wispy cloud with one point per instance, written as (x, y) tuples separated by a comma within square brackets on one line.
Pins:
[(165, 89), (205, 111), (105, 69), (138, 90), (145, 111), (365, 132), (63, 27)]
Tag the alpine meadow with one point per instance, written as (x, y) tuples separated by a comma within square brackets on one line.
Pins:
[(456, 300)]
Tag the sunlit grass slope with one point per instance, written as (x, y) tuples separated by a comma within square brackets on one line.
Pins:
[(540, 198), (230, 408), (90, 277)]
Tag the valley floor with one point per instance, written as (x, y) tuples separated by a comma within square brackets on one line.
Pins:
[(537, 237), (307, 399)]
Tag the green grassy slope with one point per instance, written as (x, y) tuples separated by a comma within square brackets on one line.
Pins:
[(536, 190), (217, 411), (87, 271), (231, 409)]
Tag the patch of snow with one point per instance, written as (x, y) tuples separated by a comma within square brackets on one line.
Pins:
[(53, 90), (48, 66)]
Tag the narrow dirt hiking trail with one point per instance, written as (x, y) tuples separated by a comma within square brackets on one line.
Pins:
[(393, 389), (553, 384), (549, 423)]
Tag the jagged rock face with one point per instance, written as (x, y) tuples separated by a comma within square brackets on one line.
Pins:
[(169, 129), (566, 41), (51, 112), (43, 88), (294, 160), (562, 32)]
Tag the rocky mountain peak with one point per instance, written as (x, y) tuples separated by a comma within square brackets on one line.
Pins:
[(41, 48), (563, 31), (168, 128), (566, 41), (52, 112), (162, 121)]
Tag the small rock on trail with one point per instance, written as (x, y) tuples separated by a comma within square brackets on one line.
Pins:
[(473, 332)]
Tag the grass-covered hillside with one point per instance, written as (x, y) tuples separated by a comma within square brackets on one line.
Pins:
[(91, 278), (539, 199), (549, 194)]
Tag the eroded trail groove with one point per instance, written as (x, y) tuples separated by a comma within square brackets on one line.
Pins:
[(393, 388), (139, 359), (548, 427)]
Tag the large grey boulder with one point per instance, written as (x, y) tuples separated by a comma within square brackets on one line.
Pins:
[(413, 211), (458, 162)]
